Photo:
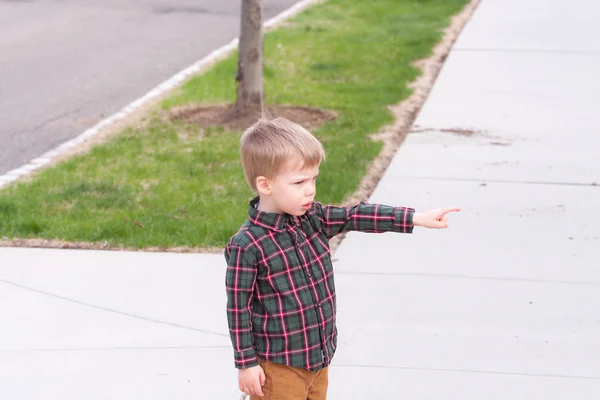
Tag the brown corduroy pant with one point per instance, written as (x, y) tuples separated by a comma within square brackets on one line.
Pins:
[(289, 383)]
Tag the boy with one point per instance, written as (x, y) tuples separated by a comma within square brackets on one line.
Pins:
[(280, 287)]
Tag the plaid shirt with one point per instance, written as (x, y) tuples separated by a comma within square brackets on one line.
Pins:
[(280, 289)]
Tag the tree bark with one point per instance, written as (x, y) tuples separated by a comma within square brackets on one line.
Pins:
[(250, 58)]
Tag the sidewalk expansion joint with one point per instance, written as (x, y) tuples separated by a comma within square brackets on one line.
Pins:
[(470, 277), (532, 51), (484, 181), (471, 371), (4, 351)]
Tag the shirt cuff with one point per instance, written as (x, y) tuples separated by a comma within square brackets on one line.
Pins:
[(245, 359), (403, 222)]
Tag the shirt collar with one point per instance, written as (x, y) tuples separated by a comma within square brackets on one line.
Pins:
[(266, 220)]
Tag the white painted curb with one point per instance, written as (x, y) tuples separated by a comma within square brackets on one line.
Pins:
[(178, 78)]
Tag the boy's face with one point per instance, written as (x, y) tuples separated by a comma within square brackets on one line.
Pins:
[(294, 188)]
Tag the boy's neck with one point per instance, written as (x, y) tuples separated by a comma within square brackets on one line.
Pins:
[(266, 205)]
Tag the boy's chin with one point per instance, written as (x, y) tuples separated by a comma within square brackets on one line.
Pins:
[(298, 213)]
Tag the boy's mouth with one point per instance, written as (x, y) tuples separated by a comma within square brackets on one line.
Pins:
[(307, 205)]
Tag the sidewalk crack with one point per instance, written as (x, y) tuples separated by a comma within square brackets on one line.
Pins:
[(111, 310)]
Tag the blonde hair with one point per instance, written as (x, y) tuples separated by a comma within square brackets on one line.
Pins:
[(268, 144)]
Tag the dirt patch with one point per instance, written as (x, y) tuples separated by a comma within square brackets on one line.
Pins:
[(461, 132), (455, 131), (406, 112), (225, 116), (496, 140)]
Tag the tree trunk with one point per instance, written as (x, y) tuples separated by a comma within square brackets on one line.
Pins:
[(250, 65)]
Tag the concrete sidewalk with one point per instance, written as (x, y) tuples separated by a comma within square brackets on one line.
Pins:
[(504, 305), (113, 325)]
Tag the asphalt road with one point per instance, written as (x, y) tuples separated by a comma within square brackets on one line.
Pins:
[(66, 64)]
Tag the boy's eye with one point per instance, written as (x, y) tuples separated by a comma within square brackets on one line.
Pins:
[(298, 183)]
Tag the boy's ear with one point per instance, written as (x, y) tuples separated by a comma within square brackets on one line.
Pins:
[(262, 185)]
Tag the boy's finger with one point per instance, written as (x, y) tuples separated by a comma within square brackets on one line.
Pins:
[(263, 378), (449, 210), (258, 391)]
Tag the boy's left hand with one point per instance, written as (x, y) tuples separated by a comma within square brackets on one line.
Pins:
[(435, 219)]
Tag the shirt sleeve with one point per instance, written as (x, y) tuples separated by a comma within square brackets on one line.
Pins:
[(364, 217), (240, 281)]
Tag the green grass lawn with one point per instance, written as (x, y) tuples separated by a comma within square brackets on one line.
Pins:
[(173, 184)]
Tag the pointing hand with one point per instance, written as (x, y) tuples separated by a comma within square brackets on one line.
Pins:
[(435, 219)]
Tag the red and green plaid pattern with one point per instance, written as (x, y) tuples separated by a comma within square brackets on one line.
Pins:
[(279, 280)]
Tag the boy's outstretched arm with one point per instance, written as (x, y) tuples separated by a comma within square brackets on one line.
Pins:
[(377, 218)]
